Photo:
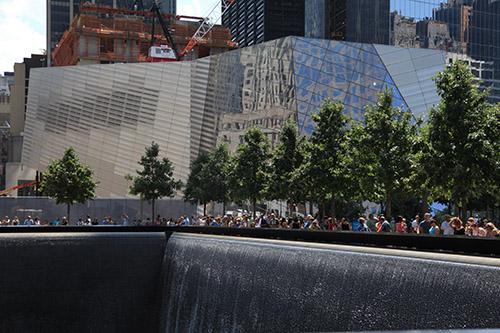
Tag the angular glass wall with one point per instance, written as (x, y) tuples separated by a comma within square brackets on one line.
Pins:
[(468, 29), (355, 73)]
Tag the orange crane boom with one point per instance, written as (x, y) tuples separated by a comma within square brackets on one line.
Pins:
[(17, 187), (207, 24)]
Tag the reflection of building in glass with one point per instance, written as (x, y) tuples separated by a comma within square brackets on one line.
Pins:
[(316, 21), (109, 113), (403, 31), (469, 27), (484, 37), (434, 35), (456, 14), (368, 21), (365, 21), (255, 21)]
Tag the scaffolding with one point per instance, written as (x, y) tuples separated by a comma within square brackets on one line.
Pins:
[(108, 35)]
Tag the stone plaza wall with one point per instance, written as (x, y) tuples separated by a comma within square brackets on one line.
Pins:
[(46, 208)]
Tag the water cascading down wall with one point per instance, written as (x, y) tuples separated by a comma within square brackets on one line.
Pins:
[(152, 282)]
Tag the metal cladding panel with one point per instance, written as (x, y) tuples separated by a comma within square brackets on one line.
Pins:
[(110, 113)]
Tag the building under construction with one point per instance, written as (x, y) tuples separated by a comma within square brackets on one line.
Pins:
[(107, 35)]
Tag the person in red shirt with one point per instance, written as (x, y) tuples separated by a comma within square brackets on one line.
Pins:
[(401, 225)]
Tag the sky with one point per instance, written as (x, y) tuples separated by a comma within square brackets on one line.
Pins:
[(23, 27)]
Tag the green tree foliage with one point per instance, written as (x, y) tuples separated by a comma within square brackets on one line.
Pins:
[(287, 157), (251, 168), (220, 165), (68, 181), (197, 190), (209, 178), (381, 148), (324, 170), (155, 180), (462, 161)]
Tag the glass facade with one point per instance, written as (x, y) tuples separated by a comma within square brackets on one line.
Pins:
[(255, 21), (109, 113), (367, 21), (466, 29), (316, 22)]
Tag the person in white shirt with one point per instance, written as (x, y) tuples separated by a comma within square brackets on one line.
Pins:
[(28, 221), (446, 227), (415, 224)]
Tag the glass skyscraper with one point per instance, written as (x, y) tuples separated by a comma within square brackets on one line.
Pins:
[(468, 30), (256, 21)]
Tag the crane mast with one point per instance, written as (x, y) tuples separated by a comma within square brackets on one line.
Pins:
[(164, 26)]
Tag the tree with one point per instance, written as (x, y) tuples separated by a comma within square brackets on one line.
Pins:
[(287, 158), (155, 180), (464, 139), (325, 167), (209, 178), (68, 181), (382, 147), (218, 174), (251, 169), (197, 189)]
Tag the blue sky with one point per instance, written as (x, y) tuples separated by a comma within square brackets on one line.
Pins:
[(22, 27)]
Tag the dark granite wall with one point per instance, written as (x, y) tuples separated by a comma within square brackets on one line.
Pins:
[(80, 282)]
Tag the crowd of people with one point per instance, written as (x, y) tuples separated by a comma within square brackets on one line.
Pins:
[(371, 223), (426, 225)]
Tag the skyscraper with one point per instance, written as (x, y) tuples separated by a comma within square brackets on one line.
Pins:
[(255, 21), (364, 21), (367, 21), (463, 27), (60, 14)]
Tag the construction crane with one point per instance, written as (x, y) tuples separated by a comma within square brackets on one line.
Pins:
[(11, 189), (163, 52), (169, 52), (207, 24)]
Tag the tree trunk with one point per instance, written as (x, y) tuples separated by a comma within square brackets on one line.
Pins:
[(152, 210), (462, 212), (388, 205), (254, 202), (224, 208), (68, 211), (334, 208), (425, 205), (204, 209), (141, 208)]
